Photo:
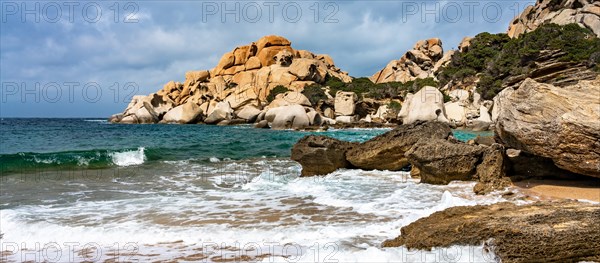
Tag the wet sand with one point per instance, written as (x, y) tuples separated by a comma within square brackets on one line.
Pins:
[(563, 189)]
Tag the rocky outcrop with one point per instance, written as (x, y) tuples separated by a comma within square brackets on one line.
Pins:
[(243, 78), (320, 155), (492, 171), (441, 161), (565, 231), (419, 62), (387, 151), (434, 154), (586, 13), (425, 105), (562, 124)]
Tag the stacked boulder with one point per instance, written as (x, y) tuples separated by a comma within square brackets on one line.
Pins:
[(585, 13), (236, 89), (426, 57)]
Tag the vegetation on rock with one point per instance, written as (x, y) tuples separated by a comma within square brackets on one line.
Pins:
[(277, 90), (314, 93), (495, 57)]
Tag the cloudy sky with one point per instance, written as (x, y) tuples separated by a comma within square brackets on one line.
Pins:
[(83, 59)]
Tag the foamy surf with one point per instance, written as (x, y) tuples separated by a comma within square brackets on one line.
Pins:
[(209, 212), (128, 158)]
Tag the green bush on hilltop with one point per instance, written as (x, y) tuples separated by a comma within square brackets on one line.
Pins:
[(494, 58)]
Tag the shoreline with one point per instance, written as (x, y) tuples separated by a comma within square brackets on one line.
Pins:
[(555, 189)]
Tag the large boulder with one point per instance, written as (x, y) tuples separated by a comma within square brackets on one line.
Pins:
[(185, 113), (248, 113), (288, 117), (456, 112), (221, 112), (386, 151), (441, 161), (320, 155), (290, 98), (426, 105), (345, 103), (562, 124)]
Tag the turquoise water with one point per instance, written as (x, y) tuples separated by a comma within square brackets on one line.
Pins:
[(93, 144), (154, 193)]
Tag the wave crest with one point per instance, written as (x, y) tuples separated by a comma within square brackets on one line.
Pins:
[(129, 158)]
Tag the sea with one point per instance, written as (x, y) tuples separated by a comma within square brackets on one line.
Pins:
[(85, 190)]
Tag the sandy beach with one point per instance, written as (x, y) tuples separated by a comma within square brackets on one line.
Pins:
[(564, 189)]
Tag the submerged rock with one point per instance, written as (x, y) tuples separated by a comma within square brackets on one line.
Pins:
[(565, 231), (321, 155)]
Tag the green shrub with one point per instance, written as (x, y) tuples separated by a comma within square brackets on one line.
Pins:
[(277, 90), (395, 106), (497, 57), (314, 93), (420, 83)]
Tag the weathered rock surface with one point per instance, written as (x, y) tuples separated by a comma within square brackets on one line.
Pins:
[(565, 231), (586, 13), (491, 172), (416, 63), (345, 103), (320, 155), (221, 112), (183, 114), (425, 105), (562, 124), (288, 117), (386, 152), (441, 161)]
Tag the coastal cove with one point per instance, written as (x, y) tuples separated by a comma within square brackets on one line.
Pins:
[(231, 144), (208, 185)]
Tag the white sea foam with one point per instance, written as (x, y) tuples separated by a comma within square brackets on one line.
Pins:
[(350, 212), (129, 158), (214, 160)]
